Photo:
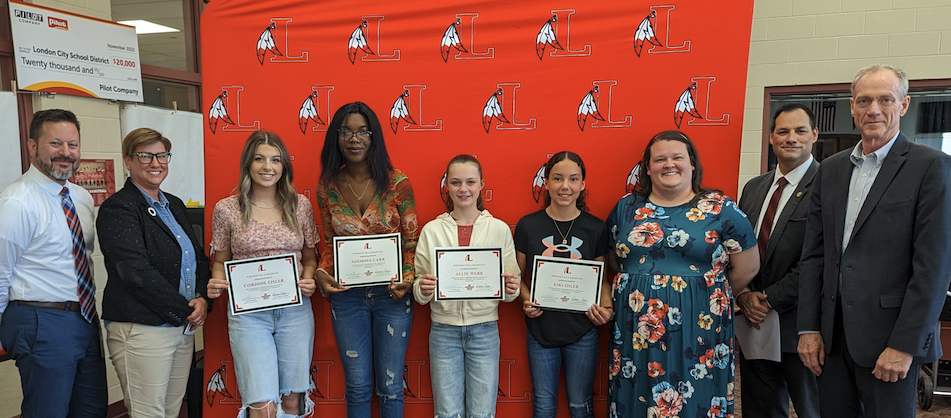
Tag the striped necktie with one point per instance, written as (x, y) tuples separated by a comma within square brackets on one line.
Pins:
[(86, 288)]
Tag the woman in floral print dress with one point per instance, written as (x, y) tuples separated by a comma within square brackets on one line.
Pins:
[(679, 250)]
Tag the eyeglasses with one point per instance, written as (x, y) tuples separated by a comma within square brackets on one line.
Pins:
[(146, 157), (344, 133)]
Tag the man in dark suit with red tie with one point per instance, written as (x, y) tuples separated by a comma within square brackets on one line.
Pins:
[(876, 260), (777, 203)]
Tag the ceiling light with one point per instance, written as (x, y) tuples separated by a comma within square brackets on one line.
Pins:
[(143, 27)]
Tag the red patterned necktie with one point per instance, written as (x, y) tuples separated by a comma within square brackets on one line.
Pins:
[(86, 288), (763, 239)]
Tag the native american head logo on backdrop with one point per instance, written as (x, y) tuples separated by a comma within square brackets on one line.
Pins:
[(443, 188), (219, 111), (450, 39), (216, 384), (632, 178), (308, 112), (538, 183), (266, 43), (589, 107), (546, 36), (314, 388), (358, 41), (493, 109), (685, 105), (400, 111), (645, 33)]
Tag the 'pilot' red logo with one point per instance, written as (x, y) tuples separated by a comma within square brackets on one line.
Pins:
[(57, 23)]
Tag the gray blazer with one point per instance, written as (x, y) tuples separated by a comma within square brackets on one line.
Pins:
[(778, 277), (892, 279)]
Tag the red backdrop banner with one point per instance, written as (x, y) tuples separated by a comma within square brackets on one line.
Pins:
[(511, 82)]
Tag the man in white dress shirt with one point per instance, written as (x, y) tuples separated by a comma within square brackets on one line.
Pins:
[(48, 321)]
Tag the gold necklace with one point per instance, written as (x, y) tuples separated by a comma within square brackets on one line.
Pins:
[(564, 237), (359, 196), (262, 207)]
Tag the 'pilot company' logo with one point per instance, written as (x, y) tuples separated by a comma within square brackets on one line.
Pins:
[(55, 23), (28, 17)]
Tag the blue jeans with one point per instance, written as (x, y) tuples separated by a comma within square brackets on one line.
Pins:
[(59, 355), (580, 360), (272, 352), (465, 369), (372, 332)]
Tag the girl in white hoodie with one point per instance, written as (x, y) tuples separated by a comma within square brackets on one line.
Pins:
[(464, 339)]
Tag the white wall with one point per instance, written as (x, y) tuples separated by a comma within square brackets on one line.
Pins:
[(827, 41)]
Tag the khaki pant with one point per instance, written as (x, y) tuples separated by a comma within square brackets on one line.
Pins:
[(153, 364)]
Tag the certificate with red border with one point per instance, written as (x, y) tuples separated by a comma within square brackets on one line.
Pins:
[(469, 273), (566, 284), (368, 260), (262, 283)]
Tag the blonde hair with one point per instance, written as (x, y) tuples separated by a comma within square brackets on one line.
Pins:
[(286, 196)]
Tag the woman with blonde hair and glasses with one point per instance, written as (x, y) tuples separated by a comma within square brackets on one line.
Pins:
[(272, 349), (157, 278)]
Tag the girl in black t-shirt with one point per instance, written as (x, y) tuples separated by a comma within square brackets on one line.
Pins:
[(560, 338)]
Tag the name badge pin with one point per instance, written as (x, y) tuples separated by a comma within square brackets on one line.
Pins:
[(152, 211)]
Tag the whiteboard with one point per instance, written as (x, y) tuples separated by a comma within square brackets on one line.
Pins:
[(9, 140), (186, 172)]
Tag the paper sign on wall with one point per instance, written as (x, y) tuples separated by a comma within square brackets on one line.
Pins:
[(65, 53)]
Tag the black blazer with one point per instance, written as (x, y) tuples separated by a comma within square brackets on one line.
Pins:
[(143, 260), (778, 277), (892, 279)]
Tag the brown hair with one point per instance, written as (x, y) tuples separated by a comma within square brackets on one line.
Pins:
[(286, 195), (143, 136), (463, 159), (644, 181), (557, 158)]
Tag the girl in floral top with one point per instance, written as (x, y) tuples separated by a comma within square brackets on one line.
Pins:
[(679, 250), (360, 193), (272, 349)]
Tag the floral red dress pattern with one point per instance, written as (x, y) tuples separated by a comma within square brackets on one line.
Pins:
[(672, 345)]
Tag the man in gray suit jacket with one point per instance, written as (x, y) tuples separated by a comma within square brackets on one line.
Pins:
[(777, 204), (876, 260)]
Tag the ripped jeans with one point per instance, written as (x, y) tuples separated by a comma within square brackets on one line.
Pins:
[(372, 332), (272, 352)]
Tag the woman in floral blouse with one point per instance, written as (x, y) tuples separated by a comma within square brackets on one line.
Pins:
[(679, 251), (360, 193)]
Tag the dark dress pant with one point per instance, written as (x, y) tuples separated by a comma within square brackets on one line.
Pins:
[(767, 386), (60, 360)]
